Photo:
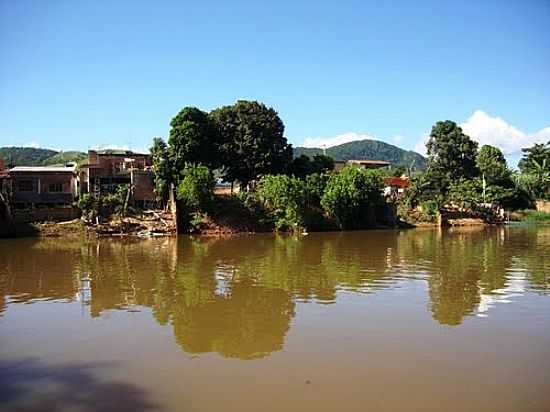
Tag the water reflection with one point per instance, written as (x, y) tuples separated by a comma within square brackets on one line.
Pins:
[(238, 296)]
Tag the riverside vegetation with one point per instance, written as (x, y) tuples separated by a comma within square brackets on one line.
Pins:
[(244, 144)]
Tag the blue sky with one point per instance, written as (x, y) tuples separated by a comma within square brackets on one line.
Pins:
[(81, 74)]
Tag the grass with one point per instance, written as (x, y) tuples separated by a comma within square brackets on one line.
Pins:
[(532, 216)]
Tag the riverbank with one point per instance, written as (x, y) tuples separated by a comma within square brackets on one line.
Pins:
[(228, 220)]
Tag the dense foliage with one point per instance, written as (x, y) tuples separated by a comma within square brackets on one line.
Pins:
[(492, 166), (196, 187), (349, 193), (535, 171), (163, 168), (451, 153), (252, 141), (106, 205), (193, 139), (303, 165), (284, 198)]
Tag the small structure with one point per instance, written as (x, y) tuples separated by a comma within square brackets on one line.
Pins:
[(106, 170), (367, 164), (395, 186), (39, 186)]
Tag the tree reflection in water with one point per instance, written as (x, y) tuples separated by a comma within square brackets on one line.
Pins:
[(237, 296)]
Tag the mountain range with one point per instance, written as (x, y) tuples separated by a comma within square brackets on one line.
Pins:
[(31, 156), (368, 150), (359, 150)]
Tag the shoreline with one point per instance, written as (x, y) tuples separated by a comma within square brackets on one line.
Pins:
[(77, 229)]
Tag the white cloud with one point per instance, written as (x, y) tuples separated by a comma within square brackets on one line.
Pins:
[(397, 139), (420, 146), (335, 140), (494, 131), (34, 144)]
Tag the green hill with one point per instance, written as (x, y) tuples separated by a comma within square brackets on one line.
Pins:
[(368, 150), (30, 156)]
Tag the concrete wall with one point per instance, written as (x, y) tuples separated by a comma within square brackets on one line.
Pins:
[(41, 187), (51, 214)]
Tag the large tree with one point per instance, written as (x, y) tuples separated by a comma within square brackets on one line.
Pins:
[(193, 139), (252, 141), (534, 157), (162, 168), (492, 166), (451, 153)]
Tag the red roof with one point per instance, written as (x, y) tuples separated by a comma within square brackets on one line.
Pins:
[(400, 182)]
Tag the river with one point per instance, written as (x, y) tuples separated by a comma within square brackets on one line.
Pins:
[(416, 320)]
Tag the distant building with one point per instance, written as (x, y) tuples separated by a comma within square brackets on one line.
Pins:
[(395, 185), (108, 169), (367, 164), (36, 186)]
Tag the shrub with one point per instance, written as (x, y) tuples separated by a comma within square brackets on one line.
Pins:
[(196, 189), (349, 193), (315, 185), (284, 199), (88, 206)]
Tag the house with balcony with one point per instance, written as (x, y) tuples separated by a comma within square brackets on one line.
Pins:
[(42, 186), (106, 170)]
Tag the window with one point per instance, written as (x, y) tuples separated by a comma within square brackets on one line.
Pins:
[(25, 186), (55, 187)]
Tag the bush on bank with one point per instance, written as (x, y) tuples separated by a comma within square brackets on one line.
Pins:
[(351, 195), (284, 198)]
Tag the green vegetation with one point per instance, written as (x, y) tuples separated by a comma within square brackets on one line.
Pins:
[(535, 171), (163, 168), (284, 198), (369, 149), (351, 193), (106, 205), (460, 176), (30, 156), (532, 216), (196, 188), (252, 142), (303, 166)]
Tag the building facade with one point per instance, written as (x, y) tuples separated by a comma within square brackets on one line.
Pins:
[(42, 186), (106, 170)]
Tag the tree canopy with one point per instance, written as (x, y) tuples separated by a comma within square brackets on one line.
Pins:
[(193, 139), (451, 153), (492, 165), (534, 157), (252, 141)]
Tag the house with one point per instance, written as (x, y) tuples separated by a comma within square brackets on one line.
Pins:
[(42, 186), (395, 185), (106, 170), (367, 164)]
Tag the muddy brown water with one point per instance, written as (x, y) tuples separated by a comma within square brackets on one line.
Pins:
[(417, 320)]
